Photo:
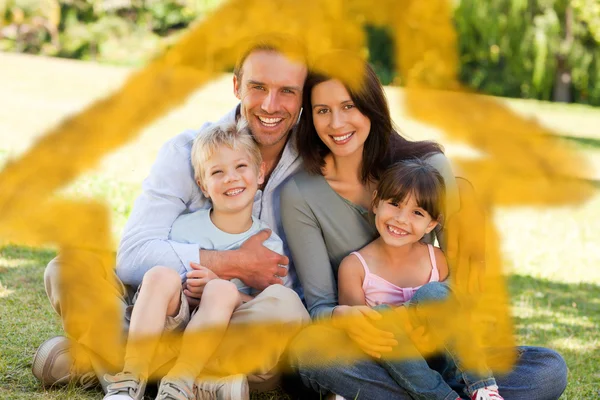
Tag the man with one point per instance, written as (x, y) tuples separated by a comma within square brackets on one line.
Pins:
[(269, 87)]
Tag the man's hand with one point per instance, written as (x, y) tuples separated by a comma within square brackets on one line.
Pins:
[(196, 280), (357, 322), (259, 266), (253, 263), (466, 241)]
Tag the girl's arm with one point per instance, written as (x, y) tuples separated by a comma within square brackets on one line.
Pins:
[(442, 264), (350, 279)]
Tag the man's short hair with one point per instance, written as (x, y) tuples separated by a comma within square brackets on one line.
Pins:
[(236, 136), (287, 45)]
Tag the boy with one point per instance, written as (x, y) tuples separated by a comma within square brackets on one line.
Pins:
[(228, 169)]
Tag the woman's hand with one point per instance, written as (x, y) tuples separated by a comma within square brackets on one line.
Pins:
[(357, 321)]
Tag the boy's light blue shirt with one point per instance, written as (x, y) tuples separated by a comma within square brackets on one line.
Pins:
[(197, 228), (170, 190)]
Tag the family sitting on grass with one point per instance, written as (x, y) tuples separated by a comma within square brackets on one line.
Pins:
[(302, 202)]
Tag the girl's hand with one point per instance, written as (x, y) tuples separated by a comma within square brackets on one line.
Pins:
[(197, 279), (357, 321)]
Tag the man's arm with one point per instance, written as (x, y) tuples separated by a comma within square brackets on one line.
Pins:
[(166, 193), (253, 263)]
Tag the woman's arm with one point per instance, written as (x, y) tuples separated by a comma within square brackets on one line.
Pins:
[(350, 279), (309, 253), (440, 162)]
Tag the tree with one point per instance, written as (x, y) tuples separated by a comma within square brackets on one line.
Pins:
[(543, 49)]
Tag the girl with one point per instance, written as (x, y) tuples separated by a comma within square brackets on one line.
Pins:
[(397, 266)]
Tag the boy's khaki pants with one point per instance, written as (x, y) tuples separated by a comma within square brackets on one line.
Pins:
[(277, 305)]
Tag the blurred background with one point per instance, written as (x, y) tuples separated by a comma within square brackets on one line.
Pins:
[(535, 49)]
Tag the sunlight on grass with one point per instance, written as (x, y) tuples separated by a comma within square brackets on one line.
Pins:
[(4, 292), (559, 244), (575, 344), (16, 262)]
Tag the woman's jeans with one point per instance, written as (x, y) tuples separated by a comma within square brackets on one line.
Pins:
[(538, 373)]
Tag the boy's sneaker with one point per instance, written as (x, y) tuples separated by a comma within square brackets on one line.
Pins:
[(124, 386), (176, 389), (487, 393), (233, 387), (52, 365)]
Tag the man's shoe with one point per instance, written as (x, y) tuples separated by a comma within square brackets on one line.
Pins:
[(124, 386), (233, 387), (52, 365)]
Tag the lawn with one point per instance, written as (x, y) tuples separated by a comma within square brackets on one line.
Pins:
[(554, 283), (551, 254)]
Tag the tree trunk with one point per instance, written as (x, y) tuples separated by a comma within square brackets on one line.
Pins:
[(562, 80)]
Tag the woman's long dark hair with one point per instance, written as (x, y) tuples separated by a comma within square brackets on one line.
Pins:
[(383, 146)]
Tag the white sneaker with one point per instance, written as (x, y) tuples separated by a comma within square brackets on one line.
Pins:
[(124, 386), (234, 387)]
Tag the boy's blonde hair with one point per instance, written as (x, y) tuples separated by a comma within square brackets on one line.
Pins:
[(233, 135)]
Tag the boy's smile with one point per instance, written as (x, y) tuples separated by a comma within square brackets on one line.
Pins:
[(231, 180)]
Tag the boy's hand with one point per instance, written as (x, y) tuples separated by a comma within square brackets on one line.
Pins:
[(197, 279), (192, 301)]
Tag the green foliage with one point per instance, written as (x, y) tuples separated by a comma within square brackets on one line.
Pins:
[(514, 48), (519, 48), (115, 31), (381, 52)]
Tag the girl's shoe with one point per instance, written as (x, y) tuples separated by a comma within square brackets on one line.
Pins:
[(486, 393), (124, 386)]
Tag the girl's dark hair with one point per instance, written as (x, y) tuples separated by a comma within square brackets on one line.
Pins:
[(413, 177), (382, 147)]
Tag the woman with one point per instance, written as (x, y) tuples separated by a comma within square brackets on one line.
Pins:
[(347, 140)]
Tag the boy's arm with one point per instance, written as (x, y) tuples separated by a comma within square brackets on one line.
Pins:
[(351, 275)]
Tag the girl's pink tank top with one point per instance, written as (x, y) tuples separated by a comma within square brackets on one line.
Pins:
[(380, 291)]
